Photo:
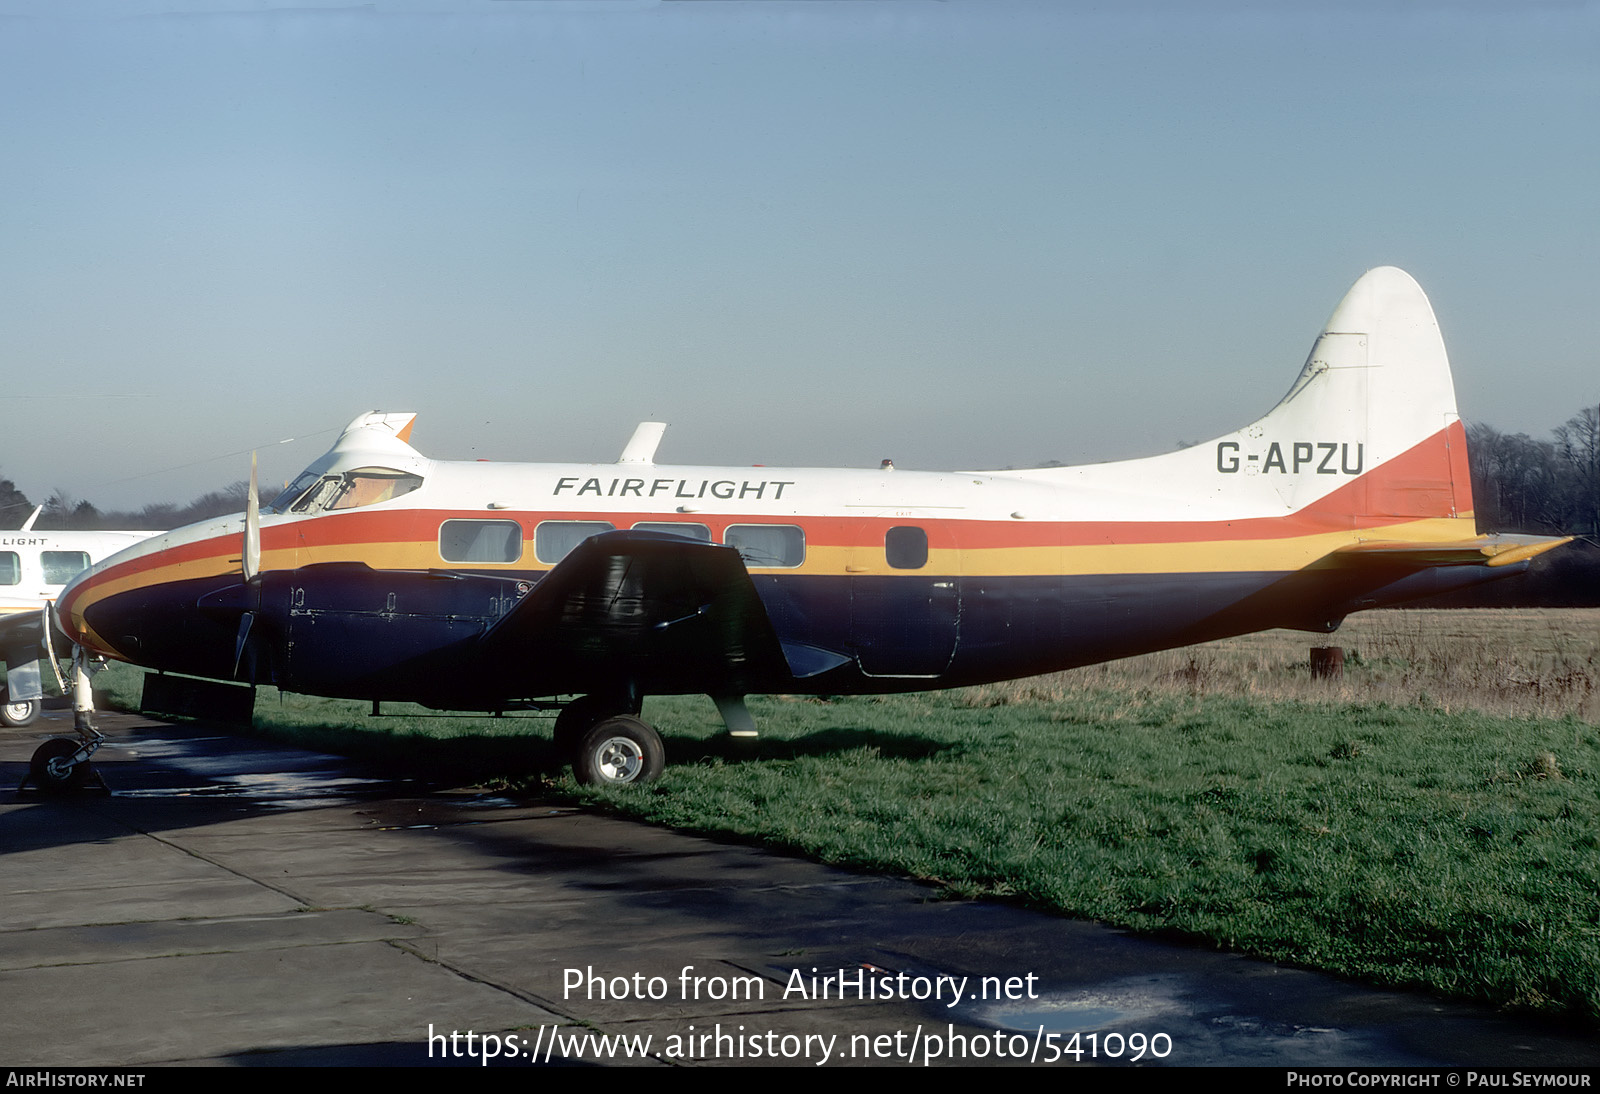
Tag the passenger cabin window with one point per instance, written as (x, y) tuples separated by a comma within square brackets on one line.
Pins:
[(768, 544), (480, 541), (61, 567), (10, 568), (313, 493), (697, 532), (554, 540), (906, 547)]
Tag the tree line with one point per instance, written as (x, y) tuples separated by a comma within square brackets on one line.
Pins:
[(1546, 487), (62, 511)]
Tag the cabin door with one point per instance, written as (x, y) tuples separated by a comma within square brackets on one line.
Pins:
[(905, 613)]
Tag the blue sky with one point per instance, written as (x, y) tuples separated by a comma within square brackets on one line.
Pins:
[(962, 234)]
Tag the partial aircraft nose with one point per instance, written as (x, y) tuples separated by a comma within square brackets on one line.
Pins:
[(143, 597)]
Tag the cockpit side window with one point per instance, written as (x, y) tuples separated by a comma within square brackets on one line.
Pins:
[(311, 493), (291, 493), (316, 499)]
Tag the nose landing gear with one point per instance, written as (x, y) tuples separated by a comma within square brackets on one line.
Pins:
[(62, 764)]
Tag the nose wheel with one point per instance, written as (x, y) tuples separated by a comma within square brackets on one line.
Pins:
[(61, 764)]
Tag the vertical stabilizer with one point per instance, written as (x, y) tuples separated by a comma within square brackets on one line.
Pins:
[(1377, 377), (1367, 435)]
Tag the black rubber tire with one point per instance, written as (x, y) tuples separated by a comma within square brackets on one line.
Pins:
[(39, 766), (618, 751), (19, 714)]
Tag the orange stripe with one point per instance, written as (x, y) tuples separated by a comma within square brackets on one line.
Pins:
[(1428, 481)]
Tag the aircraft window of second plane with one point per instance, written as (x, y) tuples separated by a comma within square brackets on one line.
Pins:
[(61, 567)]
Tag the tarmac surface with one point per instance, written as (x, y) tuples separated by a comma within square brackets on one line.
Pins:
[(235, 902)]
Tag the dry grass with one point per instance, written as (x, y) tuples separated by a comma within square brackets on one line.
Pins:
[(1510, 662)]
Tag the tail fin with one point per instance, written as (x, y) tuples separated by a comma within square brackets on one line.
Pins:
[(1371, 417), (1367, 436)]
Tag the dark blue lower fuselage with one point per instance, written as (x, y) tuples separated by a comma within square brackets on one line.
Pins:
[(350, 631)]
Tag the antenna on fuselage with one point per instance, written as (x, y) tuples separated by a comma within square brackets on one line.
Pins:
[(641, 447)]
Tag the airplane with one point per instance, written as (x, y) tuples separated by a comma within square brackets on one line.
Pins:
[(34, 567), (379, 574)]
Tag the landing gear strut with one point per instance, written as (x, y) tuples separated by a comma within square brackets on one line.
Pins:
[(582, 715), (62, 763)]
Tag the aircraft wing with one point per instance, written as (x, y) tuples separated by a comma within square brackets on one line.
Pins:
[(644, 607)]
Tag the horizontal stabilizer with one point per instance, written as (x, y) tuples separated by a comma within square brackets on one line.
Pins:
[(1497, 550)]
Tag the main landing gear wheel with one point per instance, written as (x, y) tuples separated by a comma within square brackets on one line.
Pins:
[(19, 712), (48, 768), (619, 750)]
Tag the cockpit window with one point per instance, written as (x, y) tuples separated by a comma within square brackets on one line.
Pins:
[(370, 485), (281, 503), (311, 493)]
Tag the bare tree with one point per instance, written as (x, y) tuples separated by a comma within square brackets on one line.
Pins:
[(58, 510), (1516, 481), (1578, 442)]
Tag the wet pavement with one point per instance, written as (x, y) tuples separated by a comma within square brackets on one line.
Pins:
[(234, 902)]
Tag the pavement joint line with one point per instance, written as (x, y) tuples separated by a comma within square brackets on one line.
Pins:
[(180, 954), (241, 875), (475, 978)]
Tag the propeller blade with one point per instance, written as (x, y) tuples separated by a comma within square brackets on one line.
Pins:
[(251, 560)]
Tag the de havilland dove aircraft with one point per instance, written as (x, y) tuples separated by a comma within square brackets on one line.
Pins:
[(380, 574)]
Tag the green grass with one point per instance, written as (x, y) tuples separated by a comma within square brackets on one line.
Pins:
[(1413, 841), (1455, 852)]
